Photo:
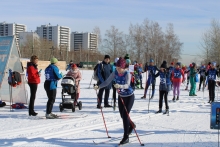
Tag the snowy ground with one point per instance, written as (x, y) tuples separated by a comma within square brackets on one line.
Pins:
[(188, 124)]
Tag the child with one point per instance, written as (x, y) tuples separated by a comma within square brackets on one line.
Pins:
[(164, 87), (211, 75), (177, 79)]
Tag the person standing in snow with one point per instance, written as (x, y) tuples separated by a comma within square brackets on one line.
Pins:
[(52, 75), (164, 87), (193, 72), (177, 78), (211, 74), (171, 68), (76, 74), (140, 74), (202, 77), (33, 81), (187, 72), (150, 74), (113, 87), (104, 70), (125, 92)]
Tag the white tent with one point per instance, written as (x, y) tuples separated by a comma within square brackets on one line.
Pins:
[(10, 59)]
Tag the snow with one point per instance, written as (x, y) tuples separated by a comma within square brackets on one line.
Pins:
[(188, 123)]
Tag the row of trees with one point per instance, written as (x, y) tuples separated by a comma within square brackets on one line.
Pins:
[(210, 45), (144, 41)]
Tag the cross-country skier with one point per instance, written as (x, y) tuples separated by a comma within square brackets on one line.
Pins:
[(140, 74), (211, 74), (177, 78), (171, 68), (187, 72), (164, 87), (202, 77), (193, 72), (122, 78), (150, 74)]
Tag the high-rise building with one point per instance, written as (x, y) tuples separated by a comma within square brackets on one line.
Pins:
[(87, 41), (28, 38), (10, 29), (59, 35)]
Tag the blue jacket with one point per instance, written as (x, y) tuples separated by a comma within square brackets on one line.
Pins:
[(103, 72), (52, 74)]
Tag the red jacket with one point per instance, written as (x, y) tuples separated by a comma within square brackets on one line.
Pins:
[(32, 72)]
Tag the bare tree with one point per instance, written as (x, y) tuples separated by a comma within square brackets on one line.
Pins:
[(97, 31)]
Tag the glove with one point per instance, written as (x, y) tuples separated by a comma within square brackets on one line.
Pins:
[(96, 87), (61, 74), (117, 86)]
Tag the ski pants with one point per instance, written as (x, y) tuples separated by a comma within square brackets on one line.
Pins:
[(128, 103), (202, 81), (107, 91), (33, 90), (176, 87), (211, 86), (193, 86), (51, 94), (163, 94), (147, 86)]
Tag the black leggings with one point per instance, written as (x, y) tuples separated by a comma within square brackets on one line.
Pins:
[(202, 81), (51, 94), (128, 101), (33, 90), (163, 94), (107, 91), (211, 85)]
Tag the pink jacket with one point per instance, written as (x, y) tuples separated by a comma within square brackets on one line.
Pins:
[(77, 76)]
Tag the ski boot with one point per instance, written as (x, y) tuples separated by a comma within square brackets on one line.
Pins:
[(125, 139), (159, 111), (143, 97), (166, 112), (177, 98), (174, 98), (186, 88)]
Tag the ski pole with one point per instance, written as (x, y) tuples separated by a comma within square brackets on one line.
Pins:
[(102, 115), (131, 122)]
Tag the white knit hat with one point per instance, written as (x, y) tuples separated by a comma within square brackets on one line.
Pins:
[(116, 60)]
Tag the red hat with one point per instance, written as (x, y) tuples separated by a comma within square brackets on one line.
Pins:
[(121, 63), (190, 65), (172, 63), (74, 66)]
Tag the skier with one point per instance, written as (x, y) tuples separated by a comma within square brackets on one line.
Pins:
[(177, 80), (211, 75), (76, 74), (192, 77), (164, 87), (140, 74), (207, 79), (150, 74), (187, 72), (171, 68), (50, 85), (122, 78), (114, 89), (202, 77)]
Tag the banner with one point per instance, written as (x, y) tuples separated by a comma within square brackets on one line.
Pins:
[(5, 48)]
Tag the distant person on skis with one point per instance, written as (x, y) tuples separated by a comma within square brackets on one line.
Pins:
[(207, 79), (171, 68), (164, 87), (150, 78), (177, 78), (202, 71), (140, 74), (187, 72), (113, 83), (125, 92), (212, 74), (193, 74)]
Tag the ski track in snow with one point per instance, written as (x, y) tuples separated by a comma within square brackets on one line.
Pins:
[(187, 124)]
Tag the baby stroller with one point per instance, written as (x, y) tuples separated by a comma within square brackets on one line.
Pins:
[(69, 86)]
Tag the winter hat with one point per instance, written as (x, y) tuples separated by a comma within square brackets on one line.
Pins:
[(178, 63), (190, 65), (53, 60), (164, 64), (213, 63), (74, 66), (172, 63), (107, 56), (121, 63), (116, 60), (135, 62), (151, 60), (193, 64), (126, 56), (128, 61), (209, 63)]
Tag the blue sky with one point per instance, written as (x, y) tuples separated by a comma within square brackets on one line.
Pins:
[(191, 18)]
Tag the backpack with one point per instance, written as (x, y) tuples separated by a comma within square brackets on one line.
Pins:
[(95, 75), (14, 78), (196, 78)]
